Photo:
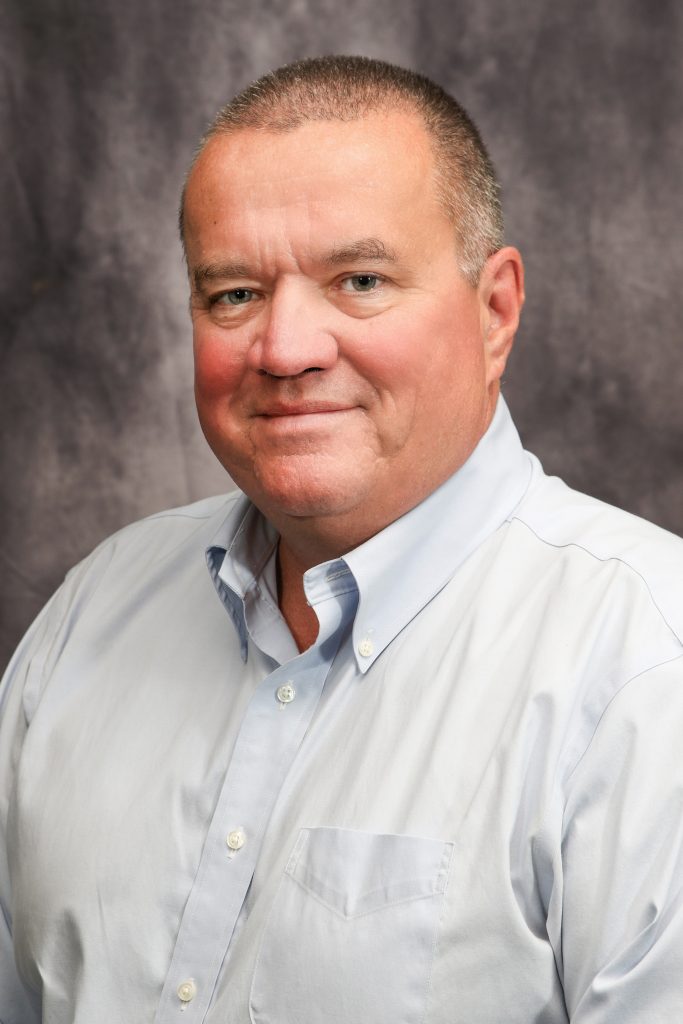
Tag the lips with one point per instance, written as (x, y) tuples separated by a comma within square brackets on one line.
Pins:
[(280, 409)]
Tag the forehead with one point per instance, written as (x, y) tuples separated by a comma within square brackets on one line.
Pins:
[(379, 167)]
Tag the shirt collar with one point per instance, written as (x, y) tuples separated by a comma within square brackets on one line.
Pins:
[(400, 569), (239, 552)]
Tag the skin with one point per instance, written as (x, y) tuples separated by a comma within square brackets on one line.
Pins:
[(344, 367)]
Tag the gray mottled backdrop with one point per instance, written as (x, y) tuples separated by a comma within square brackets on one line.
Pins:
[(102, 102)]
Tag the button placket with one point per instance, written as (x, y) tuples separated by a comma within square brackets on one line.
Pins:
[(235, 833)]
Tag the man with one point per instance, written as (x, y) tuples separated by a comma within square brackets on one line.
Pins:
[(426, 768)]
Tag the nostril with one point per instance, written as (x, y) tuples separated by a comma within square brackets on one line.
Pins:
[(289, 376)]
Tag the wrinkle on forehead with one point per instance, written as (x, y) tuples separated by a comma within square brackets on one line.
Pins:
[(366, 250), (326, 194)]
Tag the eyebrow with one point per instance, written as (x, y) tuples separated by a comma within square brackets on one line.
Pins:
[(205, 273), (363, 249)]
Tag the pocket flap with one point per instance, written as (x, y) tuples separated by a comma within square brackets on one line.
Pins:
[(356, 873)]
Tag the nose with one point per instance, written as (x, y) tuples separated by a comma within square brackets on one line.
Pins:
[(292, 336)]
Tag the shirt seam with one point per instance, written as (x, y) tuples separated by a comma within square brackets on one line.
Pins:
[(334, 594), (185, 512), (605, 710), (604, 560)]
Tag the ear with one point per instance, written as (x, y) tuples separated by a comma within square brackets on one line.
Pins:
[(501, 297)]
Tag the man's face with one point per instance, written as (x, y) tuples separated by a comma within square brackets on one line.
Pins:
[(341, 368)]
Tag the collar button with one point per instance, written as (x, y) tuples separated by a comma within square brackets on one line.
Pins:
[(366, 647)]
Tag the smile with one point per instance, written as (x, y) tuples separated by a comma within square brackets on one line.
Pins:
[(285, 410), (304, 421)]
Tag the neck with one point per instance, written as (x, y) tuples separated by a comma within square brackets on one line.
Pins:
[(295, 609), (306, 541)]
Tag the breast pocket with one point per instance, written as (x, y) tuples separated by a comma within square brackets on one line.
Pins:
[(351, 934)]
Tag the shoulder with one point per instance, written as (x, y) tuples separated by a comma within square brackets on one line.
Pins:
[(178, 522), (156, 553), (152, 562), (635, 553), (148, 557), (165, 533)]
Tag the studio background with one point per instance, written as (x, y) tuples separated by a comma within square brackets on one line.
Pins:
[(581, 105)]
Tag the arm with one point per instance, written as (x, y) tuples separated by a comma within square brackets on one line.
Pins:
[(17, 1004), (620, 937), (20, 692)]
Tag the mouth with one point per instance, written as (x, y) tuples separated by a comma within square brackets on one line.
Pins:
[(297, 423), (285, 409)]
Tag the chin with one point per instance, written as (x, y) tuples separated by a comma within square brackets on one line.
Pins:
[(294, 487)]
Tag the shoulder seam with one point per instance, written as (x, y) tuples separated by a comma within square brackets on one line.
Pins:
[(185, 511), (615, 696), (605, 559)]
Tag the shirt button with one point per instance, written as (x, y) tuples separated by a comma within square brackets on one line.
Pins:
[(366, 647), (286, 693), (236, 839), (187, 990)]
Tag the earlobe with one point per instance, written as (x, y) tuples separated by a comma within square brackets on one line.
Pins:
[(501, 289)]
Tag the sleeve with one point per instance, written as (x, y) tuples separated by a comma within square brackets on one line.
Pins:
[(621, 943), (17, 1004), (20, 692)]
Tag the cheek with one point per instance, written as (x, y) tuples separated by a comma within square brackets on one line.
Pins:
[(387, 350), (454, 345), (438, 367), (218, 364), (410, 351)]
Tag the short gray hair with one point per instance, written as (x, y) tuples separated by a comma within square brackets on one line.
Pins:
[(346, 89)]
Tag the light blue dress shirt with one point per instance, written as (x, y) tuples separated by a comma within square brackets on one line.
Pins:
[(464, 803)]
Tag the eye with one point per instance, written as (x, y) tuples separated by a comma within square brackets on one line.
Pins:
[(236, 296), (360, 282)]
